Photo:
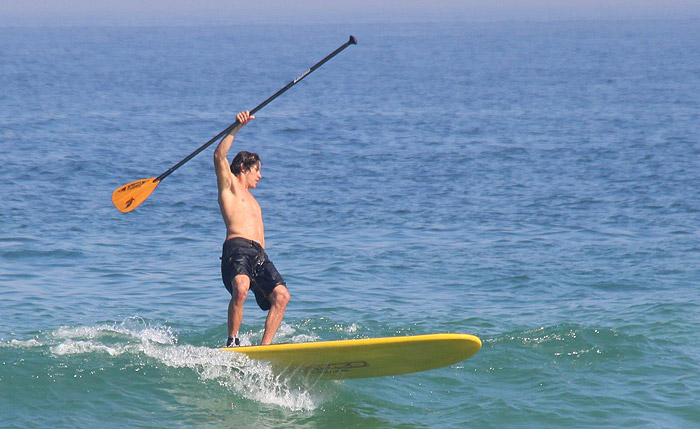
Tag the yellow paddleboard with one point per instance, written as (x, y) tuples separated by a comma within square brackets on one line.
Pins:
[(373, 357)]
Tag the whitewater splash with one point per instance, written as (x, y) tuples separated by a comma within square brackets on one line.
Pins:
[(251, 379)]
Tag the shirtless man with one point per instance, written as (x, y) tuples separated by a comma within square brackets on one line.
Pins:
[(244, 264)]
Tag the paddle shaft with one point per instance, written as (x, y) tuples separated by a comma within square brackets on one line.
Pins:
[(228, 129)]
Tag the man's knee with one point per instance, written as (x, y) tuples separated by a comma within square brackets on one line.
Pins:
[(241, 286), (280, 295)]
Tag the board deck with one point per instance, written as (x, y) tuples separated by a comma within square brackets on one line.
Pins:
[(372, 357)]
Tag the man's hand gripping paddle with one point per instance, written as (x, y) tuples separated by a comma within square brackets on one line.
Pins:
[(128, 197)]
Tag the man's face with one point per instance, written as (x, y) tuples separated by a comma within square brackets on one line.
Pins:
[(253, 176)]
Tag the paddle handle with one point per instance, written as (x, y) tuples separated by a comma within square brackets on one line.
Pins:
[(351, 41)]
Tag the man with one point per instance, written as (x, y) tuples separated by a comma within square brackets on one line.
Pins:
[(244, 264)]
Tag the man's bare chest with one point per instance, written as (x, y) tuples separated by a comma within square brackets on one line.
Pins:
[(245, 202)]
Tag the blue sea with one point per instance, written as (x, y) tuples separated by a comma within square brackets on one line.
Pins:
[(534, 184)]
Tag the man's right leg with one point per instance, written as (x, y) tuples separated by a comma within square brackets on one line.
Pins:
[(235, 306)]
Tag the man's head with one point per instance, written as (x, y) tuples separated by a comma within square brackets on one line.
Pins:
[(247, 164)]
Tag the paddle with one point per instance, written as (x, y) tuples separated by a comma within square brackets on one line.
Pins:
[(128, 197)]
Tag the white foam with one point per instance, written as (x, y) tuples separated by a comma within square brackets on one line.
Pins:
[(286, 334), (285, 331), (303, 338), (21, 343), (347, 329), (130, 327), (252, 379), (71, 347)]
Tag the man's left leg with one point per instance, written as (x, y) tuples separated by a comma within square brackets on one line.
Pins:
[(279, 299)]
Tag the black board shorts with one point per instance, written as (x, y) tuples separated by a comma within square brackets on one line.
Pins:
[(243, 256)]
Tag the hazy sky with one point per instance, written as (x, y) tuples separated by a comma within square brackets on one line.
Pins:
[(179, 12)]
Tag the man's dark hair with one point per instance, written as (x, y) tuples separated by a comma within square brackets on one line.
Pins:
[(248, 159)]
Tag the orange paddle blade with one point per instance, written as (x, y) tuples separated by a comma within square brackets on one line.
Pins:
[(128, 197)]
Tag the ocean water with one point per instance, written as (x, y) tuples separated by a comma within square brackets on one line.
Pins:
[(534, 184)]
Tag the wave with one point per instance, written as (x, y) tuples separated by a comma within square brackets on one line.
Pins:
[(566, 340), (33, 254), (155, 345)]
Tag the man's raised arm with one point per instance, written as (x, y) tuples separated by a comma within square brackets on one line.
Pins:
[(221, 165)]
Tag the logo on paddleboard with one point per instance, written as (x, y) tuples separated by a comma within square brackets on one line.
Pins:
[(337, 366)]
